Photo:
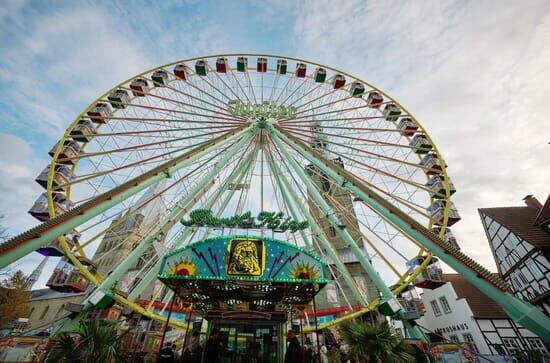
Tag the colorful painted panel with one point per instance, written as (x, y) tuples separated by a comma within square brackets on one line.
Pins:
[(245, 258)]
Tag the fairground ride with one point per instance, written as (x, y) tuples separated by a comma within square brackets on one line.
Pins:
[(222, 135)]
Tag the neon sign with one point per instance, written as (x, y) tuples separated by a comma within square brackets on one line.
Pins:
[(266, 109), (269, 220)]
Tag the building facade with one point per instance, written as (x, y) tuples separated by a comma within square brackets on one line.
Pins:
[(48, 306), (519, 238), (460, 313), (340, 200)]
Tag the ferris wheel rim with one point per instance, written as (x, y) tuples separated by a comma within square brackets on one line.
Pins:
[(402, 282)]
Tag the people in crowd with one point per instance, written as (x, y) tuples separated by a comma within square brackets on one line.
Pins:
[(195, 347), (334, 355), (308, 351), (293, 352), (213, 348), (167, 354), (324, 354)]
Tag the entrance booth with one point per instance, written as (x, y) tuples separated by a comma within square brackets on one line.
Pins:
[(247, 288)]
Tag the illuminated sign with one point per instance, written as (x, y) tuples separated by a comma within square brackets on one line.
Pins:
[(245, 257), (266, 109), (269, 220)]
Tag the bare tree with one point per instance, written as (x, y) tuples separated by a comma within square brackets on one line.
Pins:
[(4, 235), (3, 230)]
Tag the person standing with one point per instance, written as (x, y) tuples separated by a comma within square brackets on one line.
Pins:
[(293, 351), (212, 348), (167, 354), (195, 347), (308, 351)]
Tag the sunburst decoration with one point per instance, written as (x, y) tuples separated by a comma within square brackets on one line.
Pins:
[(183, 267), (304, 271)]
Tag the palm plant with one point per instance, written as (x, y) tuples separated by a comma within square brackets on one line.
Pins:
[(97, 341), (376, 343)]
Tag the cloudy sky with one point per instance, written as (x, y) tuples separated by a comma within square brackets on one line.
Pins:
[(475, 73)]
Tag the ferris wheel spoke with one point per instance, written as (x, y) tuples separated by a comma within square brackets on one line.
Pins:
[(363, 141), (167, 111), (157, 132), (289, 82), (173, 120), (294, 91), (207, 81), (374, 155), (238, 83), (221, 103), (220, 106), (349, 219), (413, 206), (98, 173), (226, 85), (355, 108), (180, 103), (349, 121), (274, 86), (136, 208), (330, 93), (308, 93), (250, 86), (141, 147), (369, 168)]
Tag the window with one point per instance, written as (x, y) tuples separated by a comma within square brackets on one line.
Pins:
[(511, 345), (445, 304), (453, 338), (522, 278), (537, 345), (435, 307), (44, 312), (492, 229), (535, 269), (332, 231), (468, 338), (60, 310)]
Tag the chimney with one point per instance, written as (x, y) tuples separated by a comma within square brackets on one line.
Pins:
[(532, 202)]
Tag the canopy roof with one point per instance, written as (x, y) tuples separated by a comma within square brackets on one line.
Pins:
[(249, 272)]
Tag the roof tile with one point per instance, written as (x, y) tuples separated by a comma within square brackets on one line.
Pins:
[(480, 304), (521, 221)]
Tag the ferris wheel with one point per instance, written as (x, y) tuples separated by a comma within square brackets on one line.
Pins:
[(230, 134)]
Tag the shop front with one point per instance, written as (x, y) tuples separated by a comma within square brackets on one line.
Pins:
[(247, 288)]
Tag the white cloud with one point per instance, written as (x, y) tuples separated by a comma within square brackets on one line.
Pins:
[(475, 74), (19, 190), (65, 59)]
